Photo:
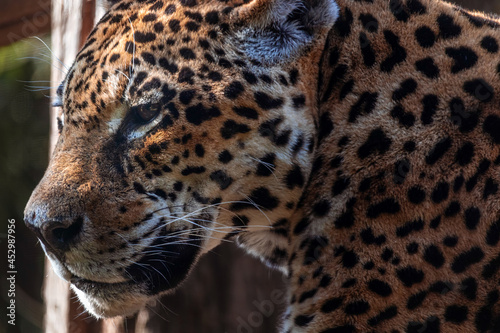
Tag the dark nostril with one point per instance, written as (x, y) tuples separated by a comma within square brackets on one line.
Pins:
[(60, 236)]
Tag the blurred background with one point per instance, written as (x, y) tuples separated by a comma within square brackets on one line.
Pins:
[(25, 70)]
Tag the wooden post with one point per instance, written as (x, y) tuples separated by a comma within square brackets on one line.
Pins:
[(71, 23)]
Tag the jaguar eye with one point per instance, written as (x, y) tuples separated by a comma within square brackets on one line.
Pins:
[(144, 113)]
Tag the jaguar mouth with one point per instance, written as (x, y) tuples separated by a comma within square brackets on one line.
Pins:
[(87, 286), (165, 264)]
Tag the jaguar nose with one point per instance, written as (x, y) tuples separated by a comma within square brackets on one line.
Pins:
[(57, 234)]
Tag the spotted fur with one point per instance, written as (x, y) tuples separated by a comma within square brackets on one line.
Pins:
[(352, 145)]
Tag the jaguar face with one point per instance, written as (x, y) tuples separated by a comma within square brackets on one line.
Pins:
[(175, 133)]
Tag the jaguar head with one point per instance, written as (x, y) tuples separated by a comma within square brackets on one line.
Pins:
[(182, 123)]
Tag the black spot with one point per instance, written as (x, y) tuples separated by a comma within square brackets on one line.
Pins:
[(415, 300), (332, 304), (171, 67), (198, 114), (398, 54), (186, 75), (369, 238), (412, 248), (233, 90), (116, 56), (178, 186), (456, 314), (190, 170), (356, 307), (303, 320), (440, 192), (465, 153), (301, 226), (425, 36), (294, 178), (410, 275), (314, 249), (406, 119), (366, 50), (491, 268), (416, 195), (472, 216), (489, 44), (428, 68), (187, 96), (438, 151), (463, 57), (266, 102), (490, 188), (240, 220), (158, 27), (212, 17), (434, 256), (246, 112), (363, 106), (441, 287), (139, 188), (377, 142), (380, 287), (140, 37), (453, 209), (387, 206), (266, 165), (250, 77), (260, 197), (321, 208), (479, 89), (170, 9), (491, 126), (299, 101), (409, 227), (344, 22), (340, 185), (174, 25), (232, 128), (187, 53), (188, 3), (345, 220), (346, 89), (464, 119), (431, 325), (447, 27), (384, 315), (493, 234), (399, 10), (387, 254), (450, 241), (325, 126), (369, 22), (348, 283), (416, 7), (406, 88), (337, 76), (349, 259), (465, 259), (468, 288), (221, 178)]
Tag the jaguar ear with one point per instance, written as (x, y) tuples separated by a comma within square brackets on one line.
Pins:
[(107, 4), (276, 30)]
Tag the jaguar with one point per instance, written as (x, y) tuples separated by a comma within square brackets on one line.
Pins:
[(354, 145)]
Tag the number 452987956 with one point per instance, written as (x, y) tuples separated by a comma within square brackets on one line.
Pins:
[(11, 246)]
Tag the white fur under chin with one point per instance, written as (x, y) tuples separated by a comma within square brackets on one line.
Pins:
[(114, 303)]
